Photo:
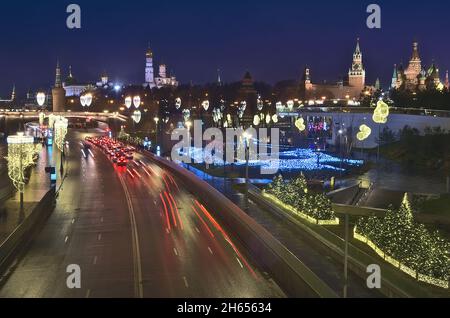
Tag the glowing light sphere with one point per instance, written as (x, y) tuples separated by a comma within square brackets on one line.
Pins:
[(268, 119), (40, 98), (275, 118), (186, 114), (128, 102), (137, 101), (259, 104), (137, 116)]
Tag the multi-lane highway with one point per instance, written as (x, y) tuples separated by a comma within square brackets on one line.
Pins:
[(134, 232)]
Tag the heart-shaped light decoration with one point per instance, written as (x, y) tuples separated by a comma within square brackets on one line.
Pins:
[(128, 102), (178, 103), (88, 98), (137, 101), (381, 113), (83, 100), (40, 98), (137, 116), (205, 105)]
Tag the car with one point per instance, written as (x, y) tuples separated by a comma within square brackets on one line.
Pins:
[(129, 155), (121, 162)]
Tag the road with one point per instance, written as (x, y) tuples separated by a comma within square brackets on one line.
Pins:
[(135, 232)]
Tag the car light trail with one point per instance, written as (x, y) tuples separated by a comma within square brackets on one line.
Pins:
[(165, 181), (176, 209), (225, 235), (165, 210), (91, 153), (137, 173), (204, 223), (129, 172), (171, 209)]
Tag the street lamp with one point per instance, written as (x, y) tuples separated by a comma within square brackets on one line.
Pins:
[(156, 119), (21, 153), (247, 138)]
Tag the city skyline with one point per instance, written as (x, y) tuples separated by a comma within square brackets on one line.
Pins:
[(281, 54)]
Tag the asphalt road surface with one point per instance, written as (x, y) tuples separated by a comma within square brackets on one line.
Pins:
[(134, 232)]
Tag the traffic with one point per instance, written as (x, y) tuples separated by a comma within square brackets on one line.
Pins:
[(116, 151)]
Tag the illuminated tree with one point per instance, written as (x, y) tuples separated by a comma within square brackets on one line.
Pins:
[(22, 153)]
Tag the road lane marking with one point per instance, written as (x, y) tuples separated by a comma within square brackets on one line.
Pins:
[(138, 288), (99, 237), (196, 228), (95, 260), (101, 219), (66, 239), (175, 251), (239, 262), (185, 282), (88, 293), (210, 250), (73, 221)]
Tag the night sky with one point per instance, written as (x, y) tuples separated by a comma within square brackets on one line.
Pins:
[(273, 39)]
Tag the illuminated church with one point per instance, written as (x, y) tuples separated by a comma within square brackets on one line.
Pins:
[(351, 89), (163, 80), (415, 77)]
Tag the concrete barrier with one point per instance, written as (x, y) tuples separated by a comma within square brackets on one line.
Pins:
[(25, 230), (294, 277)]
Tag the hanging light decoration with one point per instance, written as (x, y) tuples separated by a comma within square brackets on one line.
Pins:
[(40, 98), (83, 100), (178, 103), (275, 118), (186, 114), (89, 99), (268, 119), (300, 124), (364, 132), (41, 118), (137, 101), (60, 128), (259, 103), (128, 102), (256, 120), (137, 116), (205, 105), (290, 105), (381, 113)]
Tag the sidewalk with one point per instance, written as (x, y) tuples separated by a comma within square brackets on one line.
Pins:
[(37, 187)]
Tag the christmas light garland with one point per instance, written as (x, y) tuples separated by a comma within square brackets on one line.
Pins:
[(407, 245)]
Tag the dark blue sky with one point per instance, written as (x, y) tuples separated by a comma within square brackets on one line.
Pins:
[(273, 39)]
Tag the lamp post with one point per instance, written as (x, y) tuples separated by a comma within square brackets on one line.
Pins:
[(156, 119), (188, 126), (247, 138), (20, 156)]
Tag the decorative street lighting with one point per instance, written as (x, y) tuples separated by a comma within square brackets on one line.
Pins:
[(128, 102), (247, 138), (21, 152), (60, 129), (137, 101), (40, 99), (156, 119), (88, 99)]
